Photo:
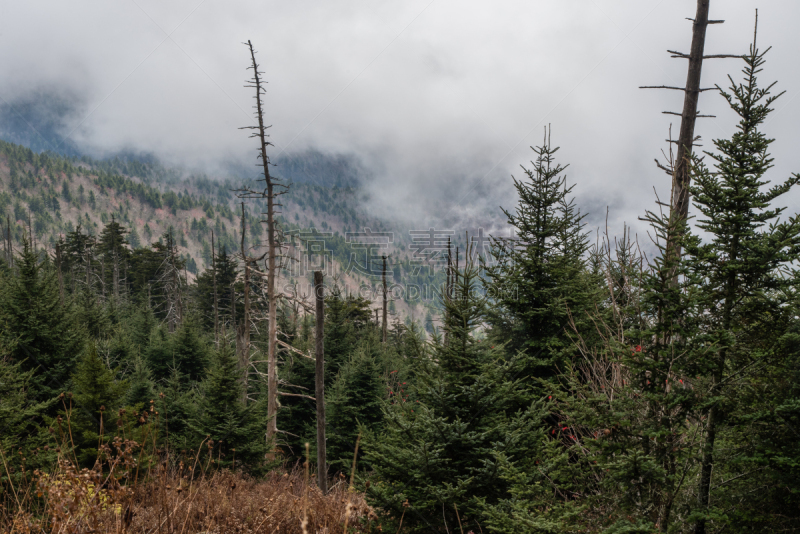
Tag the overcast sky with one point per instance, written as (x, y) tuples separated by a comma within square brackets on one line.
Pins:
[(441, 99)]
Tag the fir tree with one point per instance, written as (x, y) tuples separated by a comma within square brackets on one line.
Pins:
[(539, 277), (97, 396), (41, 332), (232, 427), (140, 385), (742, 265), (189, 352), (444, 429), (346, 317), (22, 421), (354, 403)]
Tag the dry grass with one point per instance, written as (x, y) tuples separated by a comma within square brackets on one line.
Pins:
[(179, 499)]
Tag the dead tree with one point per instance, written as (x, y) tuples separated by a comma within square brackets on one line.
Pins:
[(170, 281), (216, 299), (271, 190), (243, 332), (115, 260), (60, 273), (319, 378), (385, 302), (10, 243), (681, 170)]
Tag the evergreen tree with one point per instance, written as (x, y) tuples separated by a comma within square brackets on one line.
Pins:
[(141, 389), (114, 253), (189, 353), (97, 396), (234, 428), (346, 318), (227, 273), (178, 407), (40, 331), (22, 421), (354, 403), (742, 266), (444, 429), (158, 354), (184, 352), (539, 277)]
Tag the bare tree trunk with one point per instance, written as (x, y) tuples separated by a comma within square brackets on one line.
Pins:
[(322, 466), (60, 274), (244, 356), (681, 168), (681, 173), (272, 363), (10, 243), (385, 301), (216, 302), (233, 313), (88, 267), (115, 257), (448, 286), (273, 188)]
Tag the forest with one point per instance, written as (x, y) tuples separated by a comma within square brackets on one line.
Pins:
[(564, 385)]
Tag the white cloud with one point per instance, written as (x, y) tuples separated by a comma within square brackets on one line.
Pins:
[(441, 99)]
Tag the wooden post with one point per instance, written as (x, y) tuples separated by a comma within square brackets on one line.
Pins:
[(322, 467), (385, 299)]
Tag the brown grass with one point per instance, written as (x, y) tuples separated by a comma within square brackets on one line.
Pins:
[(179, 499)]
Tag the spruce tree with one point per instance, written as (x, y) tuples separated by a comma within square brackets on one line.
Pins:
[(114, 252), (141, 389), (233, 427), (742, 265), (346, 318), (41, 332), (443, 430), (538, 278), (97, 396), (23, 427), (189, 352), (354, 403)]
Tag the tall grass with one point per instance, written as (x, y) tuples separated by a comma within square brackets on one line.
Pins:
[(139, 489)]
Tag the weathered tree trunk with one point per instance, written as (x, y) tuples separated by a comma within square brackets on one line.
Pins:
[(244, 356), (10, 243), (322, 466), (115, 259), (681, 179), (216, 300), (272, 252), (60, 274), (384, 327)]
